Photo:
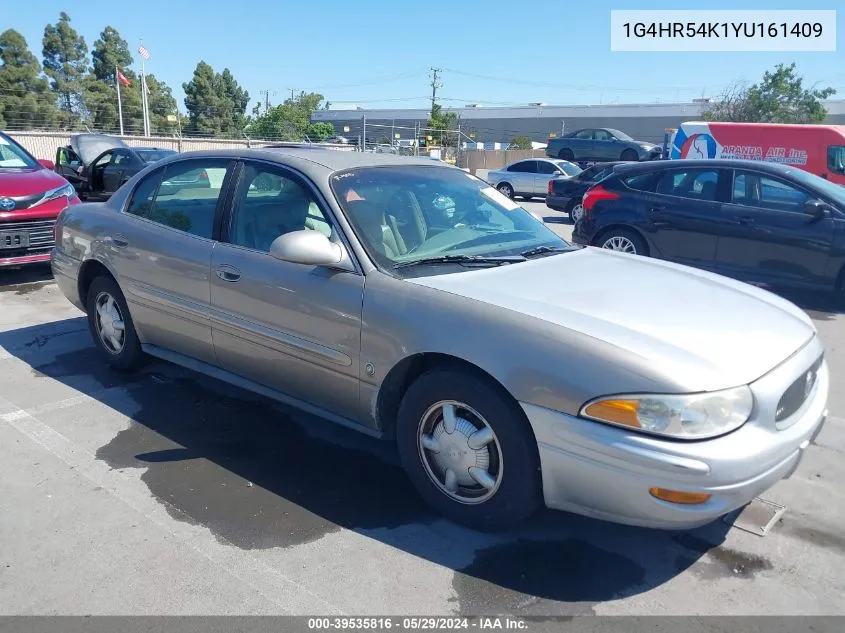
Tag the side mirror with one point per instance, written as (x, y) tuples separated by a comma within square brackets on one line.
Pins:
[(47, 164), (816, 208), (311, 248)]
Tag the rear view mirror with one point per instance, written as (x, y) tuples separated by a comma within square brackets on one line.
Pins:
[(816, 208), (306, 247)]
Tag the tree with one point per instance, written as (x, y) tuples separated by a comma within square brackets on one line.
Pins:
[(65, 62), (162, 107), (779, 98), (440, 124), (110, 51), (215, 102), (291, 120), (26, 101), (521, 142)]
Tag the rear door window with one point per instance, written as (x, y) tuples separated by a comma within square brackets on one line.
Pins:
[(523, 167), (546, 168), (640, 182), (695, 184)]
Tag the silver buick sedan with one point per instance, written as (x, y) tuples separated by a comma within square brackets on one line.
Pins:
[(413, 302)]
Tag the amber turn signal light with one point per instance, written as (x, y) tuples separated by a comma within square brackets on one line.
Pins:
[(678, 496)]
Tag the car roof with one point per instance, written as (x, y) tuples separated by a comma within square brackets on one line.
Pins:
[(327, 158), (718, 163)]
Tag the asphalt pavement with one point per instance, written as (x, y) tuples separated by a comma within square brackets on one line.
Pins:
[(163, 492)]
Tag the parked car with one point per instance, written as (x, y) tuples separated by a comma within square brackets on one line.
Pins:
[(601, 144), (818, 149), (529, 178), (98, 164), (565, 193), (31, 196), (343, 286), (753, 220)]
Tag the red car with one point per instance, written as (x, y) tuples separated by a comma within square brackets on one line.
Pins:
[(32, 196)]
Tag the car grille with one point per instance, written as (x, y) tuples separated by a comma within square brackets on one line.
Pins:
[(39, 233), (797, 393)]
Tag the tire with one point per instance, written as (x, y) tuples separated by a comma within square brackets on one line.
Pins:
[(506, 189), (575, 210), (128, 354), (566, 154), (623, 240), (513, 489), (630, 154)]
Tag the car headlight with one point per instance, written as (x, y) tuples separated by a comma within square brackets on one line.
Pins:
[(686, 416), (65, 191)]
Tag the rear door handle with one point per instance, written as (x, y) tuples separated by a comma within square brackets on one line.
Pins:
[(745, 220), (228, 273), (118, 241)]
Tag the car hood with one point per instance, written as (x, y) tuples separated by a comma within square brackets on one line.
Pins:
[(89, 146), (16, 183), (697, 329)]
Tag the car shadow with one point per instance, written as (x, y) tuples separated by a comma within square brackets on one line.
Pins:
[(260, 475), (32, 274), (557, 219)]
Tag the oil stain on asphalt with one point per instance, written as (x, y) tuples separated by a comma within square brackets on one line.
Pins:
[(723, 562)]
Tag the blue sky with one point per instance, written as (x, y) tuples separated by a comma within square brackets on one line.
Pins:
[(378, 53)]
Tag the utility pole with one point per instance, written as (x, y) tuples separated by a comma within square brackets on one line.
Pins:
[(435, 84), (292, 90), (267, 94)]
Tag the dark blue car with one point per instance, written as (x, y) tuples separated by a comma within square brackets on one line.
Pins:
[(756, 221)]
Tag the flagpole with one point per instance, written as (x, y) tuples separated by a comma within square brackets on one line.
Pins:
[(119, 104), (144, 100)]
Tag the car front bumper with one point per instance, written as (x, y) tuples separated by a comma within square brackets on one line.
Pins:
[(606, 472)]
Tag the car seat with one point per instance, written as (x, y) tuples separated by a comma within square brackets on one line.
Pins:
[(370, 218), (406, 219)]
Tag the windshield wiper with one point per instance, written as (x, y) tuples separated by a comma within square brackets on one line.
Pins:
[(545, 249), (463, 259)]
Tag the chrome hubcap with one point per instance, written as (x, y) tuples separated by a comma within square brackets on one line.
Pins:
[(619, 243), (109, 322), (577, 212), (460, 452)]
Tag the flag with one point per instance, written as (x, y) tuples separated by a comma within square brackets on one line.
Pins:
[(143, 52), (122, 78)]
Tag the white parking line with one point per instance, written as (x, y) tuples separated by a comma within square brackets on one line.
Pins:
[(231, 560)]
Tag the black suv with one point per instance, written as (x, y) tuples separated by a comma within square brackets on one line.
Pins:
[(752, 220)]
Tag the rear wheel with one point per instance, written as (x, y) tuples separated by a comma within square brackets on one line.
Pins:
[(111, 324), (566, 154), (629, 154), (624, 241), (468, 450), (505, 189)]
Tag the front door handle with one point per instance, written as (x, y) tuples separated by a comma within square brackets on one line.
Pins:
[(745, 220), (228, 273)]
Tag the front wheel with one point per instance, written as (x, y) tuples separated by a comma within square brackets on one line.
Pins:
[(506, 189), (468, 450), (576, 211), (629, 155)]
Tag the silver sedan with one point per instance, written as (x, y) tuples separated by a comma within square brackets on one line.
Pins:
[(413, 302), (529, 178)]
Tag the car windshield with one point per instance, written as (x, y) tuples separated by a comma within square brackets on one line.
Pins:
[(620, 135), (827, 188), (154, 155), (407, 213), (570, 169), (13, 156)]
